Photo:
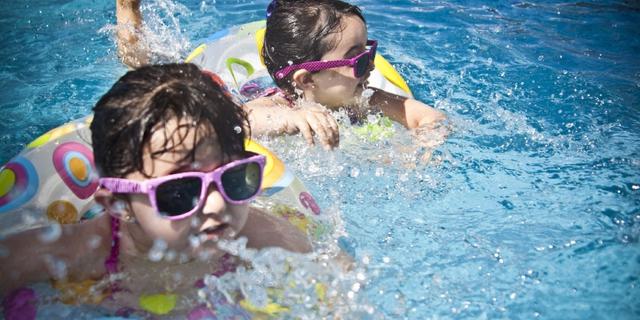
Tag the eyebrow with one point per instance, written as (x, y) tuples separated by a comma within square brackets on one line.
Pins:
[(356, 48), (186, 162)]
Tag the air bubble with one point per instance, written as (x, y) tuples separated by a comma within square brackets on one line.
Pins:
[(94, 242), (367, 93), (50, 233), (157, 250)]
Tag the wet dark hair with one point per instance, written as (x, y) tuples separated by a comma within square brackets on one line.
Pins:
[(143, 100), (297, 32)]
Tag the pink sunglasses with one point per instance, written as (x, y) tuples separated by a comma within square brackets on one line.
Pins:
[(180, 195), (359, 63)]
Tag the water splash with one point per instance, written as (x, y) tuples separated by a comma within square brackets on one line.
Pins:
[(297, 286)]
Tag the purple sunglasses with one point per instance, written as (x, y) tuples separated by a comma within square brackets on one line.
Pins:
[(180, 195), (359, 63)]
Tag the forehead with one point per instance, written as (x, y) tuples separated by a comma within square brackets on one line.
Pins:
[(173, 143), (353, 32)]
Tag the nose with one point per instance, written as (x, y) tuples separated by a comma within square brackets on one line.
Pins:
[(372, 64), (214, 202)]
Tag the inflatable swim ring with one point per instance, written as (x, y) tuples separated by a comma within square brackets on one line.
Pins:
[(234, 54), (53, 179)]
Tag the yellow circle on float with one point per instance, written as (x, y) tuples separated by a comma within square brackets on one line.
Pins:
[(40, 140), (78, 169), (64, 212), (273, 169), (7, 181), (158, 303)]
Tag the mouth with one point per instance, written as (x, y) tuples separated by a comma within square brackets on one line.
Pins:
[(213, 233)]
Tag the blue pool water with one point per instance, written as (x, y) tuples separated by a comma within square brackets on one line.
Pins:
[(531, 209)]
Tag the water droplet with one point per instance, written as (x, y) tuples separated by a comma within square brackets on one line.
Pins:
[(94, 241), (170, 255), (194, 241), (195, 222), (367, 93), (50, 233), (157, 250)]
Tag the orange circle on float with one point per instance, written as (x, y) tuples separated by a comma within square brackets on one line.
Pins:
[(78, 169), (7, 181), (64, 212)]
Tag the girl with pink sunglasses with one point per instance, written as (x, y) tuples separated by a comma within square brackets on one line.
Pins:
[(168, 143)]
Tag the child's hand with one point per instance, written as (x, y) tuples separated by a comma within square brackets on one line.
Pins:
[(313, 120), (274, 116)]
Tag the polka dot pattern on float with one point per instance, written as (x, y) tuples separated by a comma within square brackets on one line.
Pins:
[(18, 184), (64, 212), (74, 163), (309, 202)]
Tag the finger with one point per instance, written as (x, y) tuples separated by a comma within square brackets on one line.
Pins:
[(316, 122), (304, 128), (330, 127), (334, 129)]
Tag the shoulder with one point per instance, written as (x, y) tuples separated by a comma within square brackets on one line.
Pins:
[(264, 230)]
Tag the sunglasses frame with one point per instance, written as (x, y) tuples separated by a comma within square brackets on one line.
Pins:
[(313, 66), (119, 185)]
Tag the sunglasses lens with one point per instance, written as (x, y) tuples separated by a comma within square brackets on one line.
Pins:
[(362, 65), (178, 196), (242, 182)]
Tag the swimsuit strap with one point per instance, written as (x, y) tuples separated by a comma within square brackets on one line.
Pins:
[(111, 264), (277, 91)]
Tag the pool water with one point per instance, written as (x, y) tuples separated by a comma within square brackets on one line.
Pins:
[(530, 209)]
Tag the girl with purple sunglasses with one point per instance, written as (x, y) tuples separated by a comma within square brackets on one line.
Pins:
[(319, 51), (320, 56), (168, 143)]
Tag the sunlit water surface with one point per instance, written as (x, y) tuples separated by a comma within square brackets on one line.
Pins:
[(531, 209)]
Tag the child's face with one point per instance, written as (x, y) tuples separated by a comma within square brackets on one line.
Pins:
[(338, 87), (216, 218)]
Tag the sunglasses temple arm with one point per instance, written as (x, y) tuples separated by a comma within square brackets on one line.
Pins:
[(122, 185)]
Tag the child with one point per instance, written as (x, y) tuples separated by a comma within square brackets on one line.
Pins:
[(175, 176), (304, 42), (307, 48)]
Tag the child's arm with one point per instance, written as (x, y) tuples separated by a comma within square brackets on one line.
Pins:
[(129, 21), (267, 116), (77, 254), (411, 113), (265, 230)]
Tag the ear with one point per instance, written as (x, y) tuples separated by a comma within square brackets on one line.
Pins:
[(302, 79)]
